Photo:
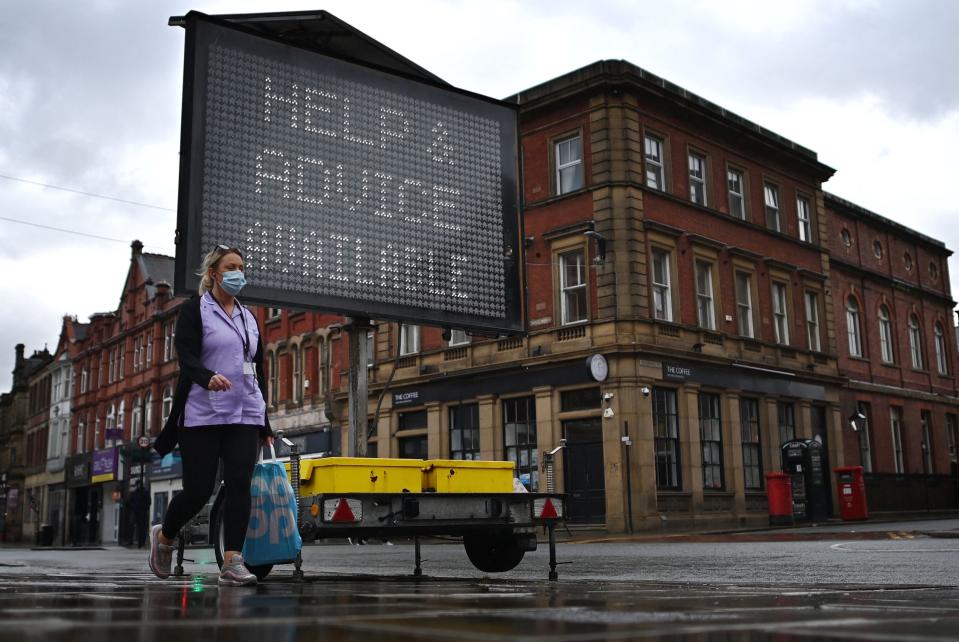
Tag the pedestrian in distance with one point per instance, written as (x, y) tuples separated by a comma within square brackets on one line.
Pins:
[(139, 505), (219, 412)]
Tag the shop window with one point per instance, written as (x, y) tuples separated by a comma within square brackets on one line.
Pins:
[(711, 440), (925, 423), (750, 434), (582, 399), (895, 426), (787, 421), (464, 431), (415, 447), (519, 439), (666, 438), (865, 436)]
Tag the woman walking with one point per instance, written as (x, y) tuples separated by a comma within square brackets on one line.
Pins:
[(219, 412)]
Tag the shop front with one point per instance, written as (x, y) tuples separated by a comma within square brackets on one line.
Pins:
[(105, 475), (83, 501), (166, 480)]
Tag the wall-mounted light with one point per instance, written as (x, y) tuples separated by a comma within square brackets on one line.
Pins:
[(854, 418), (600, 244)]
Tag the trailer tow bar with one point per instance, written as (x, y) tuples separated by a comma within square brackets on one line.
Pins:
[(295, 483), (417, 558)]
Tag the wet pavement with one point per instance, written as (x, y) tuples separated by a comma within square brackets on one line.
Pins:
[(896, 584)]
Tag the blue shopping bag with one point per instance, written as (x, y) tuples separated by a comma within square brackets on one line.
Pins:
[(272, 536)]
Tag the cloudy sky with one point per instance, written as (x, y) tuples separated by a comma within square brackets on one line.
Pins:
[(90, 101)]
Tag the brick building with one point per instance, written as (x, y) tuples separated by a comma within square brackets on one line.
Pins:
[(894, 313), (125, 374)]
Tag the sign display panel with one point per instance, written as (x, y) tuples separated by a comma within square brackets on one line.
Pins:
[(346, 188)]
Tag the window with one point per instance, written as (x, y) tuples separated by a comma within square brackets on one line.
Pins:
[(915, 343), (569, 165), (57, 385), (148, 413), (735, 186), (272, 313), (865, 437), (907, 261), (711, 439), (662, 297), (274, 375), (771, 199), (925, 421), (744, 303), (803, 218), (697, 178), (370, 351), (167, 404), (297, 357), (895, 424), (149, 348), (877, 249), (704, 295), (85, 379), (464, 432), (169, 336), (666, 437), (780, 318), (414, 447), (845, 237), (121, 360), (812, 322), (136, 353), (580, 399), (409, 339), (655, 177), (942, 359), (136, 418), (787, 421), (81, 437), (458, 338), (952, 437), (122, 417), (572, 285), (852, 327), (885, 335), (752, 447), (519, 438)]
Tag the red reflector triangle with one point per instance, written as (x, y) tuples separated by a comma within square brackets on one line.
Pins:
[(343, 512), (549, 511)]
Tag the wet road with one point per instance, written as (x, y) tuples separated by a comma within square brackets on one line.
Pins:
[(901, 586)]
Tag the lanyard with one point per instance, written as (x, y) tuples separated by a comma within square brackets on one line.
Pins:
[(246, 333)]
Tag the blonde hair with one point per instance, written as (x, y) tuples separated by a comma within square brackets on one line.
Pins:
[(209, 262)]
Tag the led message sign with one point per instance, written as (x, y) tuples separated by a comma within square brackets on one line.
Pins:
[(347, 188)]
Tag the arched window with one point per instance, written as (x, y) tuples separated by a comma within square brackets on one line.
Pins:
[(297, 356), (885, 335), (942, 358), (852, 327), (136, 422), (148, 413), (167, 403), (915, 343), (121, 417), (274, 375)]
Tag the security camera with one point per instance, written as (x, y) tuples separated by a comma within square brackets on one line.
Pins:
[(608, 413), (645, 391), (852, 424), (607, 396)]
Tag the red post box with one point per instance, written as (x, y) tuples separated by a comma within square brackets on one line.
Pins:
[(779, 491), (852, 493)]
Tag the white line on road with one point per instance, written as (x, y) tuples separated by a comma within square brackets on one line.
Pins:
[(842, 547)]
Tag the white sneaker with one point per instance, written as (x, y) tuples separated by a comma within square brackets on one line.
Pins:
[(161, 555), (236, 573)]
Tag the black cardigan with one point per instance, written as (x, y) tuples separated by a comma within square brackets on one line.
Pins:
[(189, 347)]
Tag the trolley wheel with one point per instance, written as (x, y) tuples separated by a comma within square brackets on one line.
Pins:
[(493, 554), (216, 536)]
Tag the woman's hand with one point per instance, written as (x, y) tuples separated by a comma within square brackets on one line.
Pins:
[(219, 383), (267, 441)]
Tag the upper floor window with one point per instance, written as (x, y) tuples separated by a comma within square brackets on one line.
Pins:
[(297, 357), (662, 294), (704, 295), (136, 418), (569, 165), (272, 313), (744, 304), (167, 406), (737, 201), (655, 176), (409, 339), (148, 413), (771, 200), (572, 286), (804, 218), (812, 321), (169, 335), (852, 327), (85, 379), (370, 350), (697, 178), (458, 338), (274, 378), (942, 358), (915, 343), (780, 316), (885, 335), (149, 348)]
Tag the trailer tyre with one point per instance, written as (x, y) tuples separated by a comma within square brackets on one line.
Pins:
[(493, 554), (216, 537)]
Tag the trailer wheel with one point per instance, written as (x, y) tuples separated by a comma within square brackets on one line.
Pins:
[(216, 537), (493, 554)]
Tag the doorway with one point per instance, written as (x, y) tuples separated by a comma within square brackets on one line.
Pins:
[(820, 434), (584, 471)]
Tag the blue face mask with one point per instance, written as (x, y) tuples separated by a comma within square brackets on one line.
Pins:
[(233, 282)]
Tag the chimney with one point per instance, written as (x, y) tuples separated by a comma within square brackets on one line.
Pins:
[(137, 248), (163, 291), (18, 379)]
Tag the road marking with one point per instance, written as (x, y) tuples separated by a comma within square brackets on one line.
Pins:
[(842, 546)]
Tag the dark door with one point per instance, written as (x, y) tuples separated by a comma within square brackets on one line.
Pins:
[(820, 434), (584, 472)]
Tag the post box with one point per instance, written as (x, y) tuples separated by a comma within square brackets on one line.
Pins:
[(780, 494), (852, 493)]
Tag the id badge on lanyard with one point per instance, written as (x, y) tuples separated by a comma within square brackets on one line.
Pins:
[(248, 368)]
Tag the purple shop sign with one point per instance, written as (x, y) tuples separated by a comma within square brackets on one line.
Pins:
[(114, 434), (104, 465)]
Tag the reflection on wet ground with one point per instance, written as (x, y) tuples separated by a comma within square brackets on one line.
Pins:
[(126, 607)]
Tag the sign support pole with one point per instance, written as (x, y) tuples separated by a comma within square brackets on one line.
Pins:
[(356, 331)]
